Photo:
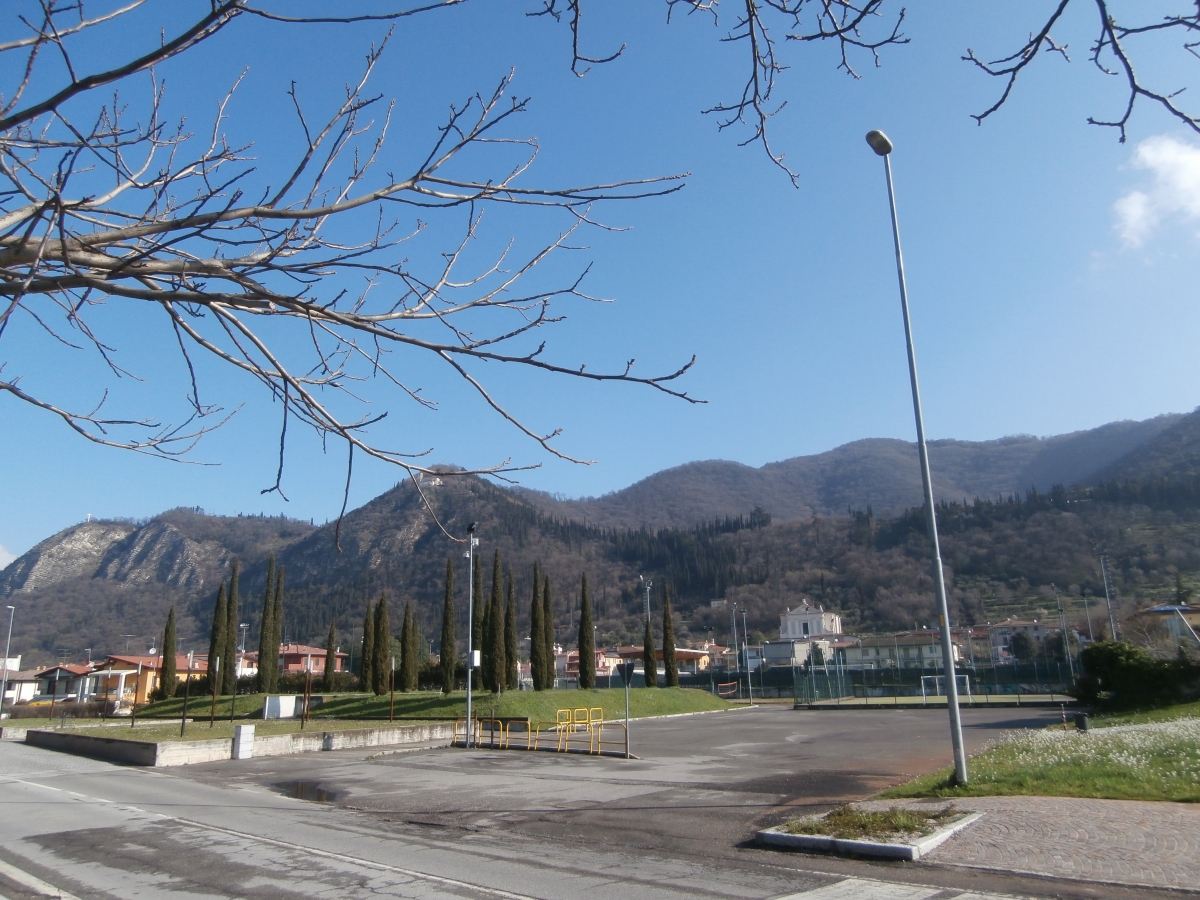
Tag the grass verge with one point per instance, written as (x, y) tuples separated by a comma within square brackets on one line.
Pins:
[(1143, 716), (540, 706), (1156, 760), (849, 823)]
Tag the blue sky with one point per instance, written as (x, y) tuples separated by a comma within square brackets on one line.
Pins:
[(1051, 268)]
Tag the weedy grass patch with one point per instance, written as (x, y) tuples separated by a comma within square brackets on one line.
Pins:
[(849, 823), (1147, 761)]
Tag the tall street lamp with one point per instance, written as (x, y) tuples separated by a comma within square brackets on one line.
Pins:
[(472, 543), (883, 147), (12, 611)]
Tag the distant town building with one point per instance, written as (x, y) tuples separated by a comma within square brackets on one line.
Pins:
[(808, 621)]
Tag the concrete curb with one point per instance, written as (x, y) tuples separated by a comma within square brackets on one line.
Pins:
[(181, 753), (778, 837)]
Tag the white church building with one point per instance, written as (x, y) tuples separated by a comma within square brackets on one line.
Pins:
[(807, 621)]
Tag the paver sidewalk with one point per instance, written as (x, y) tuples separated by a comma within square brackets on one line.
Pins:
[(1116, 841)]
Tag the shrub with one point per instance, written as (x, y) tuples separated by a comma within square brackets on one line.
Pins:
[(1120, 674)]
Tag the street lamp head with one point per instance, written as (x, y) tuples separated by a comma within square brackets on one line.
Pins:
[(471, 528), (879, 143)]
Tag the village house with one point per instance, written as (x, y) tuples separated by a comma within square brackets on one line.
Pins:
[(132, 679), (1002, 633), (906, 650)]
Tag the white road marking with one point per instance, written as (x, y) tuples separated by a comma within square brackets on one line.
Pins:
[(33, 883)]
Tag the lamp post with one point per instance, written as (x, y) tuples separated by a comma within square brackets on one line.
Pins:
[(879, 142), (12, 611), (472, 543)]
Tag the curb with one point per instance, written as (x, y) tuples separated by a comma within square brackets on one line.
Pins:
[(777, 837)]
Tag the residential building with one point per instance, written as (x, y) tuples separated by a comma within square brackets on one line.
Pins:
[(906, 650), (295, 659), (20, 687), (795, 653), (686, 658), (66, 681), (1002, 634)]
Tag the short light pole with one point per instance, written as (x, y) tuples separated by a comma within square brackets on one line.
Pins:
[(883, 147), (1062, 625), (472, 543), (12, 611), (746, 651)]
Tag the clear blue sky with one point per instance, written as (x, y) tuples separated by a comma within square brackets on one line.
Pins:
[(1052, 270)]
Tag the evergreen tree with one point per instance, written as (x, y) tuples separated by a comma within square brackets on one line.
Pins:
[(495, 666), (548, 632), (477, 614), (381, 657), (216, 640), (537, 642), (265, 629), (229, 665), (166, 674), (405, 641), (649, 659), (669, 663), (511, 657), (587, 638), (330, 658), (412, 651), (367, 675), (448, 654), (276, 631)]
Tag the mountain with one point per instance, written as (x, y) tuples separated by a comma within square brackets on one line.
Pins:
[(877, 472), (830, 527)]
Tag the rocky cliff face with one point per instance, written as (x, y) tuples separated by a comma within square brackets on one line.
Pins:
[(75, 552), (158, 554)]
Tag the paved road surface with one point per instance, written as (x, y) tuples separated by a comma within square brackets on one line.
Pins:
[(453, 823)]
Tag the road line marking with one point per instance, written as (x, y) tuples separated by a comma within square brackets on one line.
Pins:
[(33, 883), (328, 854), (863, 889), (358, 861)]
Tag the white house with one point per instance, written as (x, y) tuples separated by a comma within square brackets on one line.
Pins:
[(807, 621)]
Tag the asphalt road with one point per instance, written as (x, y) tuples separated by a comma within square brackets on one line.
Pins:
[(457, 823)]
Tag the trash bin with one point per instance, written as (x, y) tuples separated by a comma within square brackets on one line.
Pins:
[(1082, 722)]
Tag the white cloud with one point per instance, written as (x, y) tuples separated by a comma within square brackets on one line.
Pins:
[(1175, 193), (6, 556)]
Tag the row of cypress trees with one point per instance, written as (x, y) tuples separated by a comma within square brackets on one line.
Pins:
[(270, 631), (378, 662), (222, 642), (650, 657)]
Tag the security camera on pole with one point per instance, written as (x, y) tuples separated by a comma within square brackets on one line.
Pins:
[(883, 147)]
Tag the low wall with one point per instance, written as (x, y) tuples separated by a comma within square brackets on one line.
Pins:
[(183, 753), (12, 733), (136, 753)]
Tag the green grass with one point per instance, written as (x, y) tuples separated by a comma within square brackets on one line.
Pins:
[(1156, 760), (540, 706), (248, 706), (1142, 716), (222, 729), (854, 824)]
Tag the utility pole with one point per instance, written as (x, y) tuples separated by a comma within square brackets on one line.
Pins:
[(12, 611), (1062, 624), (1112, 616), (746, 650)]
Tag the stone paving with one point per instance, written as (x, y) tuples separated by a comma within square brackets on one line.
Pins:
[(1115, 841)]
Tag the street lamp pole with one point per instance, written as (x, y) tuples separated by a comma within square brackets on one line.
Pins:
[(472, 543), (12, 611), (883, 147)]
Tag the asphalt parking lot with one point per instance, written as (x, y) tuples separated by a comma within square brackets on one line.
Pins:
[(702, 785)]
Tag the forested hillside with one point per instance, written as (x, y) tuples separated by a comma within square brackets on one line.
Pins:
[(107, 585)]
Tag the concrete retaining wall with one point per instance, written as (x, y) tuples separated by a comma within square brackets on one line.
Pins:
[(182, 753)]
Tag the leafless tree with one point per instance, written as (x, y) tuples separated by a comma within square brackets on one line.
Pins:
[(104, 203)]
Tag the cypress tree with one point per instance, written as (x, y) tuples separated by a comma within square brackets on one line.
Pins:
[(511, 658), (649, 662), (265, 629), (367, 676), (276, 631), (477, 611), (405, 641), (216, 641), (537, 642), (669, 663), (166, 674), (229, 666), (548, 632), (495, 667), (381, 657), (448, 655), (412, 652), (587, 638), (330, 658)]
